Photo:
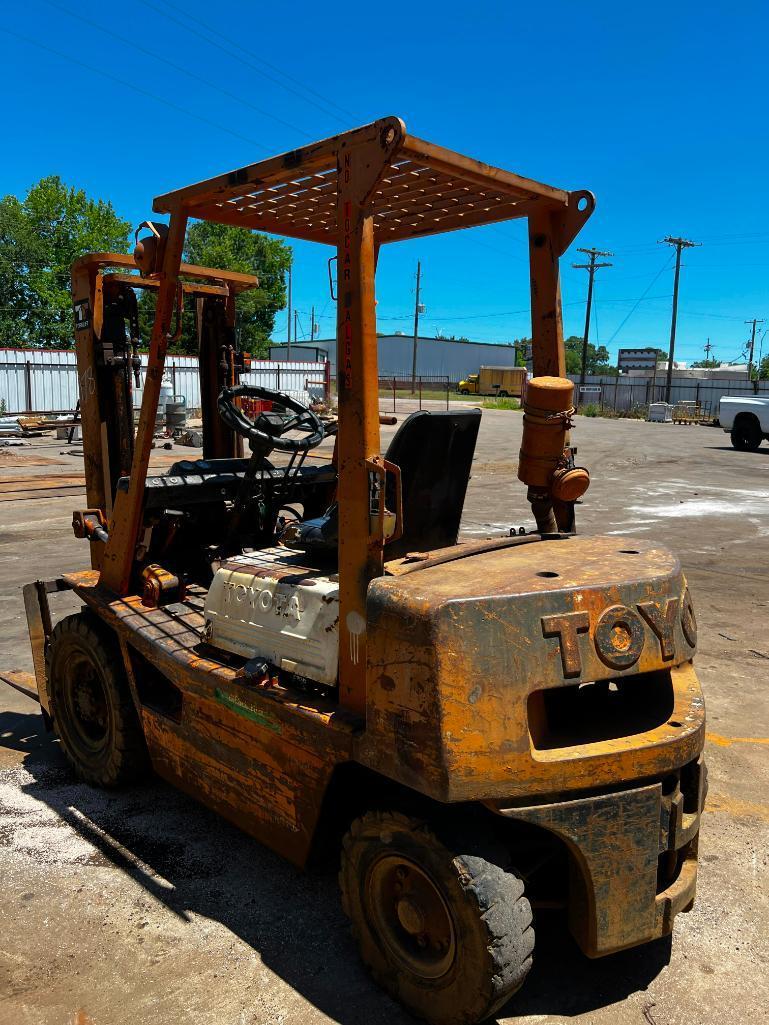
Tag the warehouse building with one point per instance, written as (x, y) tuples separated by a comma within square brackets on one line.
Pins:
[(637, 359), (436, 357)]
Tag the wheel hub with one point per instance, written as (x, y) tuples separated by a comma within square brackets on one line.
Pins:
[(84, 693), (411, 916)]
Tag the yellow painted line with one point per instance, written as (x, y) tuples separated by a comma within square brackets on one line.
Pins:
[(716, 738), (736, 806)]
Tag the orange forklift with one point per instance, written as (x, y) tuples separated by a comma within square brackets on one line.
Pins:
[(482, 727)]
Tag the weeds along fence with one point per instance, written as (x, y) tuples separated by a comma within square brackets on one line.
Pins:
[(628, 395), (46, 381)]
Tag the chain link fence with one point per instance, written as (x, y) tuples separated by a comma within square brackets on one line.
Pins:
[(633, 396)]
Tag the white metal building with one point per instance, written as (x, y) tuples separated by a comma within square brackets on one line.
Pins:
[(436, 357), (45, 380)]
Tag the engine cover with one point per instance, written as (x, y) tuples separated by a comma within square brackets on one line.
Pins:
[(266, 605)]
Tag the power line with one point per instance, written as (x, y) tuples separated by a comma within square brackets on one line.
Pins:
[(257, 57), (718, 316), (679, 244), (231, 44), (638, 301), (130, 85), (492, 316), (177, 67)]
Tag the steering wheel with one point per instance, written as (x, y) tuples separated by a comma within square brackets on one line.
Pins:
[(268, 430)]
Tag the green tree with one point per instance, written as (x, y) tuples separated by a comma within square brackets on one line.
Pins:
[(218, 245), (522, 346), (40, 237), (597, 357)]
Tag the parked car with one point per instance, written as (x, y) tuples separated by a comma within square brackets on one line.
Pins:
[(746, 419)]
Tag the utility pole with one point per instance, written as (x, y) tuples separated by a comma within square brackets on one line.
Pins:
[(679, 243), (591, 268), (296, 321), (708, 347), (417, 310), (312, 324), (754, 321), (288, 345)]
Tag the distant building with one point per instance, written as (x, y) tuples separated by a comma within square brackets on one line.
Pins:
[(436, 357), (725, 371), (678, 364), (636, 359)]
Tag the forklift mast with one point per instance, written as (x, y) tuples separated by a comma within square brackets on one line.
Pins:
[(109, 365)]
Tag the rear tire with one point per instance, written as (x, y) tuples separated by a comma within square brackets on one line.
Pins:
[(746, 434), (464, 391), (91, 704), (443, 924)]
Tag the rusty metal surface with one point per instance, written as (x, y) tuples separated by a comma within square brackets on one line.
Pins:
[(619, 844), (215, 321), (457, 651), (413, 562), (21, 489), (260, 757), (358, 441), (87, 304), (425, 189), (24, 683), (38, 615), (235, 281), (118, 559), (105, 397)]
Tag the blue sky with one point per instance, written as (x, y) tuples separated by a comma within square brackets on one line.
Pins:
[(660, 109)]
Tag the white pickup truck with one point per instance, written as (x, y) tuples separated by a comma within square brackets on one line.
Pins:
[(746, 419)]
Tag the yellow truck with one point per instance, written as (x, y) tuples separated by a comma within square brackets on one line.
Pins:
[(502, 381)]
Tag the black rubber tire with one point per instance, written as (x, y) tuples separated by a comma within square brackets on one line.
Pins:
[(503, 394), (746, 434), (492, 918), (116, 752), (464, 391)]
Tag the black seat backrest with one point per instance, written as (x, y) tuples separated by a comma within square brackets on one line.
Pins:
[(435, 453)]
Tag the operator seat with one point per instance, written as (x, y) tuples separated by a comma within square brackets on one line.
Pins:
[(434, 451)]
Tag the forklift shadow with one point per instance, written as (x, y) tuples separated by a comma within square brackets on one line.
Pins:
[(26, 733), (763, 451), (196, 864), (581, 984)]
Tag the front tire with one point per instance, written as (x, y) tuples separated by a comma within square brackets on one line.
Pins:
[(443, 924), (746, 434), (91, 704)]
